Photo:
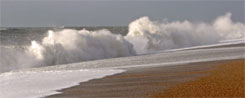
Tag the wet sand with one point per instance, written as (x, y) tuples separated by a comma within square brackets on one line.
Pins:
[(140, 82)]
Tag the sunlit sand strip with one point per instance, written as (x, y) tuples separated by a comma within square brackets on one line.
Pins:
[(225, 81)]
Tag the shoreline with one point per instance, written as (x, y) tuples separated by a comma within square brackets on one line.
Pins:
[(140, 82), (227, 80)]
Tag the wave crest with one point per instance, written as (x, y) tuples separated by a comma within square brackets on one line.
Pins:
[(144, 36), (68, 46), (149, 36)]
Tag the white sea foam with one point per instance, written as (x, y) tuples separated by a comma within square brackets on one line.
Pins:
[(149, 36), (68, 46), (144, 36), (30, 84)]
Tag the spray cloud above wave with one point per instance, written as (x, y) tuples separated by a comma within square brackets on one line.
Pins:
[(144, 36), (147, 35)]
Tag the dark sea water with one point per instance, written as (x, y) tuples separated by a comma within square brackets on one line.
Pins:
[(24, 35)]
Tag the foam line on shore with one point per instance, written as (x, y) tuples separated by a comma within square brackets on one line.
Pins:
[(222, 43), (179, 63), (29, 84)]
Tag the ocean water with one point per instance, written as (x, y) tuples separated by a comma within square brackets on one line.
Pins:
[(19, 36), (66, 53), (15, 43), (40, 46), (45, 81)]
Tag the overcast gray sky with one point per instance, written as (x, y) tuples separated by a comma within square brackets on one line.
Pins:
[(26, 13)]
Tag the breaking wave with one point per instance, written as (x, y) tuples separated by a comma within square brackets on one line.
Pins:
[(66, 46), (149, 36), (69, 46), (144, 36)]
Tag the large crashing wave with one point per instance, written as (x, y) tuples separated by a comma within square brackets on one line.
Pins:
[(69, 46), (150, 36), (66, 46), (144, 36)]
